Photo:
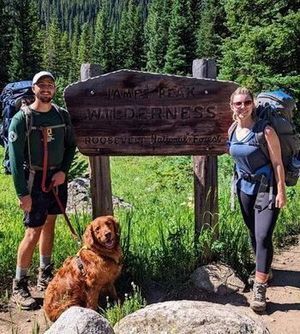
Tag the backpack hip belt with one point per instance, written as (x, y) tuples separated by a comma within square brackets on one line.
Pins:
[(263, 187)]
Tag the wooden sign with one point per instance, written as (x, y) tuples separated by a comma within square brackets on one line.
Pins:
[(138, 113)]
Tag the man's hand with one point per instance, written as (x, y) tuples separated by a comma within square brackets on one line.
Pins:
[(58, 178), (25, 203)]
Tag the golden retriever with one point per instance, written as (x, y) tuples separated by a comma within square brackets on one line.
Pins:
[(92, 272)]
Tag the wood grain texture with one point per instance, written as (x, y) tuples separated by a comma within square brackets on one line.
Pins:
[(137, 113)]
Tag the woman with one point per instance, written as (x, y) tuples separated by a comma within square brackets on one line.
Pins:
[(260, 185)]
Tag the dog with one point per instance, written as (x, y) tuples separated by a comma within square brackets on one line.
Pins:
[(91, 273)]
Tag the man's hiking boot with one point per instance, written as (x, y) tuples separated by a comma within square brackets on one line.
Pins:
[(251, 278), (44, 277), (21, 295), (259, 297)]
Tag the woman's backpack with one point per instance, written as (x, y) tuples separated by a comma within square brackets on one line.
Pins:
[(276, 108)]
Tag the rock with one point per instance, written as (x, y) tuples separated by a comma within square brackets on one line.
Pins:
[(79, 320), (216, 278), (79, 197), (189, 317)]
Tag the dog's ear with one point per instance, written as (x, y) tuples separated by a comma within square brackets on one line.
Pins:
[(88, 236), (116, 226)]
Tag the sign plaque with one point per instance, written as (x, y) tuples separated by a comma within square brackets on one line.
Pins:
[(138, 113)]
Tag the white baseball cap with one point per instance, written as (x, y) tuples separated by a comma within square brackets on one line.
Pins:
[(41, 74)]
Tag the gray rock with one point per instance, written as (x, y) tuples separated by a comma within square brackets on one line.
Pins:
[(216, 278), (189, 317), (79, 320), (79, 197)]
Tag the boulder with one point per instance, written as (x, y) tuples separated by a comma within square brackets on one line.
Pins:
[(216, 278), (189, 317), (79, 320)]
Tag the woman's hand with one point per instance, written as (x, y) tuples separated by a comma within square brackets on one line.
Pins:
[(280, 200), (277, 164)]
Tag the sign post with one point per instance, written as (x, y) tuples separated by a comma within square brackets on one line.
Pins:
[(138, 113), (205, 167), (101, 192)]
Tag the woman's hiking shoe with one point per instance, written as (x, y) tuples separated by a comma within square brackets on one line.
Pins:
[(251, 278), (21, 295), (259, 297), (44, 277)]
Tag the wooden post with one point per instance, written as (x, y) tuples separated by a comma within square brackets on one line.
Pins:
[(205, 167), (99, 165)]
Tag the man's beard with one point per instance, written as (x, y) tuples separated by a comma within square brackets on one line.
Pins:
[(44, 99)]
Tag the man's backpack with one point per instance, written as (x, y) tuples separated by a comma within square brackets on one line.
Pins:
[(276, 109), (11, 99)]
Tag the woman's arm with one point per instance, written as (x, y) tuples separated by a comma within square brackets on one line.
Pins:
[(276, 160)]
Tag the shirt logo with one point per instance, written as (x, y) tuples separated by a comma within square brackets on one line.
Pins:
[(12, 136), (49, 135)]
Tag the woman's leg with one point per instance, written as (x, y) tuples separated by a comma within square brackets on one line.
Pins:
[(247, 209), (265, 221)]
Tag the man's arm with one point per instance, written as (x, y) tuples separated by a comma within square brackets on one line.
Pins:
[(16, 149), (70, 144)]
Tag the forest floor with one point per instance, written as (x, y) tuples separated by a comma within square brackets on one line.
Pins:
[(282, 315)]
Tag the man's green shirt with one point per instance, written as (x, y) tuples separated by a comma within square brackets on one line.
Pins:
[(60, 142)]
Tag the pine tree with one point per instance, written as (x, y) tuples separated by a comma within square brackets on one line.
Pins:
[(181, 46), (74, 69), (114, 48), (16, 65), (85, 46), (211, 29), (102, 48), (129, 46), (136, 58), (52, 51), (263, 51), (5, 38), (156, 35), (65, 56), (26, 49)]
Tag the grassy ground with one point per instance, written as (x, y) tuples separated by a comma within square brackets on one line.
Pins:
[(158, 233)]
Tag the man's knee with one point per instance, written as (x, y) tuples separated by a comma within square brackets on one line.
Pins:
[(32, 234)]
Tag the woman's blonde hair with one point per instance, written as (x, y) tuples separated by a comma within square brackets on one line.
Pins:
[(243, 91)]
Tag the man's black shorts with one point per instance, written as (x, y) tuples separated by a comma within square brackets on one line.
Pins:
[(43, 203)]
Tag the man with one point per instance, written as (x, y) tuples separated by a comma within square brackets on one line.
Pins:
[(40, 159)]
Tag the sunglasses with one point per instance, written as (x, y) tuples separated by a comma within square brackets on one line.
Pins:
[(45, 86), (245, 103)]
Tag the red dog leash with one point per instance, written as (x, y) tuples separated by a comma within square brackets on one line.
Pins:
[(54, 189)]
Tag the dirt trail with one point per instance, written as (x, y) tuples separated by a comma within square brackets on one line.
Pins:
[(282, 315)]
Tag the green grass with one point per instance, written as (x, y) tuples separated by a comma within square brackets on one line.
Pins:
[(158, 232)]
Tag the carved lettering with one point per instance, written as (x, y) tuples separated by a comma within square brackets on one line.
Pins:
[(154, 140), (151, 113), (148, 92)]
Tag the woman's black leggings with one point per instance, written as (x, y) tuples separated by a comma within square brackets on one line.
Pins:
[(261, 224)]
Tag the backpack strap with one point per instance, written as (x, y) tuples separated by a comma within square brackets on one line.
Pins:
[(234, 174), (260, 138), (60, 113), (231, 130), (29, 126)]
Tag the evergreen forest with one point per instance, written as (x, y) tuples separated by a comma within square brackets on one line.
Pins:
[(255, 43)]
